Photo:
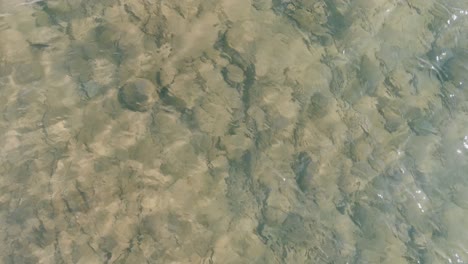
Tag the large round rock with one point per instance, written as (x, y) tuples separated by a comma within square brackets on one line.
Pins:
[(138, 95)]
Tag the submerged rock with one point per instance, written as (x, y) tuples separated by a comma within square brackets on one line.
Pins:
[(318, 106), (303, 169), (90, 89), (458, 69), (369, 75), (5, 68), (422, 126), (233, 75), (138, 95), (28, 73), (393, 120), (107, 36)]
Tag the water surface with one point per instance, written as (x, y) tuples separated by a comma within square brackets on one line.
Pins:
[(321, 131)]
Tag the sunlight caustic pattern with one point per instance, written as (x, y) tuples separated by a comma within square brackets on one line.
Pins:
[(247, 131)]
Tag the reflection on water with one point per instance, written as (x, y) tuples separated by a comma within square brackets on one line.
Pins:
[(234, 131)]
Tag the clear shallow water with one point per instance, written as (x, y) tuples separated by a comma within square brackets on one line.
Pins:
[(233, 132)]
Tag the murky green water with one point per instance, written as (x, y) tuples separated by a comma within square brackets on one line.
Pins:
[(283, 131)]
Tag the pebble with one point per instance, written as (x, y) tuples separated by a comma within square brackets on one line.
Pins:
[(138, 95)]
